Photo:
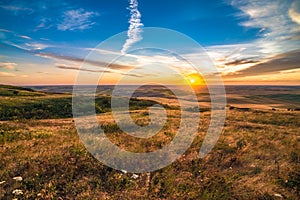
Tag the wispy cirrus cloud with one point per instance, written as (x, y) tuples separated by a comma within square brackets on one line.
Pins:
[(15, 34), (79, 68), (22, 42), (76, 67), (96, 63), (28, 47), (15, 8), (135, 24), (274, 20), (279, 35), (5, 30), (281, 62), (77, 20), (37, 46), (44, 23), (25, 37)]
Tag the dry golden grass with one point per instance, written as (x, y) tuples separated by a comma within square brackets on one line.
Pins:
[(256, 157)]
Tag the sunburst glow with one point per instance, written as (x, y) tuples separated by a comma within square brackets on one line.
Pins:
[(195, 79)]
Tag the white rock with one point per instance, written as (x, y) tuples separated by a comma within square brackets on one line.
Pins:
[(1, 182), (134, 176), (18, 178), (278, 195), (17, 192), (123, 171)]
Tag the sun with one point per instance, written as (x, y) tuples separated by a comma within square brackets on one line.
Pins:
[(195, 79)]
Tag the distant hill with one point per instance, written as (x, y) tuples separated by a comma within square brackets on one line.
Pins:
[(9, 90), (25, 103)]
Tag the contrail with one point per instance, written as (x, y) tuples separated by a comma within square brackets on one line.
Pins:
[(134, 29)]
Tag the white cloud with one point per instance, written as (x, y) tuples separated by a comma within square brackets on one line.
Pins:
[(77, 20), (278, 34), (272, 17), (134, 30), (5, 30), (44, 23), (25, 37), (14, 8), (294, 15), (37, 46), (102, 51), (16, 45), (7, 65)]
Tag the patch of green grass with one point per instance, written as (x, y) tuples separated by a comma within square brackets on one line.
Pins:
[(15, 91), (197, 109), (292, 181), (10, 133), (50, 106)]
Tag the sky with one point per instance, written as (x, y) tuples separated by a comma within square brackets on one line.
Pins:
[(49, 42)]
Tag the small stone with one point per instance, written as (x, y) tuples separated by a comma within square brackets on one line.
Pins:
[(278, 195), (123, 171), (17, 192), (39, 194), (134, 176), (1, 182), (18, 178)]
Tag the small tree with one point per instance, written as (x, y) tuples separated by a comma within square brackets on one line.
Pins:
[(15, 92)]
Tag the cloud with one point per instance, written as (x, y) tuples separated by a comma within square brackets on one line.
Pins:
[(37, 46), (274, 20), (7, 65), (241, 62), (103, 51), (101, 64), (77, 20), (22, 42), (28, 47), (16, 45), (5, 30), (270, 16), (15, 8), (25, 37), (79, 68), (134, 30), (6, 74), (294, 15), (63, 66), (281, 62), (46, 39), (14, 34), (279, 35), (44, 23)]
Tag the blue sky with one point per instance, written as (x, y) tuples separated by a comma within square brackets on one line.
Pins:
[(201, 20), (238, 35)]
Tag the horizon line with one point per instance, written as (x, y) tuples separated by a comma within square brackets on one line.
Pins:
[(32, 85)]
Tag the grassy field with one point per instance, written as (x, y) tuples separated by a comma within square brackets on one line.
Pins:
[(256, 157)]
